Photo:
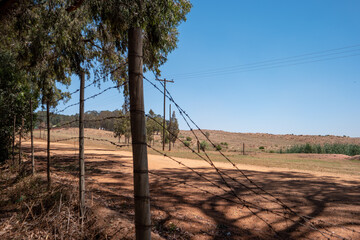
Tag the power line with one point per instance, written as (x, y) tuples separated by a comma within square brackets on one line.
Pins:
[(256, 65), (269, 67)]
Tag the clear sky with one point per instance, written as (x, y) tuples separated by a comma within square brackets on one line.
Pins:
[(270, 66)]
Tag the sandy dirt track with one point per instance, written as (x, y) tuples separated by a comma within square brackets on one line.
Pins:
[(186, 206)]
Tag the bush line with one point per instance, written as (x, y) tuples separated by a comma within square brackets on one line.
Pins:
[(335, 148)]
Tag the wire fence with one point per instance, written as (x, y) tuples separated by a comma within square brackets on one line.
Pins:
[(228, 183)]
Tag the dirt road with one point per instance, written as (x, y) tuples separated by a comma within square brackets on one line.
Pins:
[(187, 205)]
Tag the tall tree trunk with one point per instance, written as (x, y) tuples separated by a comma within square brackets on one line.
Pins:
[(20, 136), (13, 142), (32, 138), (48, 142), (81, 151), (138, 132)]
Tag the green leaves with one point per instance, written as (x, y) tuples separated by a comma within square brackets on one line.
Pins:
[(158, 18)]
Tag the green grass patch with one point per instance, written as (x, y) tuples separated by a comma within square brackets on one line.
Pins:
[(336, 148)]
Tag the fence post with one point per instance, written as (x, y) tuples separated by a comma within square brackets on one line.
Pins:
[(13, 143), (138, 132), (81, 151), (20, 136), (48, 142), (32, 137)]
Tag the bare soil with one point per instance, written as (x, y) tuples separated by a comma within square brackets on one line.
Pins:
[(186, 206)]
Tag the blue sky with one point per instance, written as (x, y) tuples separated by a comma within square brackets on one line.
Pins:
[(314, 93)]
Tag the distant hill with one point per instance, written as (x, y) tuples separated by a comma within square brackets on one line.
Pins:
[(268, 141), (234, 140)]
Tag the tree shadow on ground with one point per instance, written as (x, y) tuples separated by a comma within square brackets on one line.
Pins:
[(182, 211)]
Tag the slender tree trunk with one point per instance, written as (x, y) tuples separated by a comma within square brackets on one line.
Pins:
[(32, 138), (13, 143), (81, 151), (20, 136), (48, 142), (138, 132)]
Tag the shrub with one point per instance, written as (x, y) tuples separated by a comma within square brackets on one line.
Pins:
[(203, 145), (225, 144), (187, 143), (271, 151), (336, 148), (188, 139), (261, 147), (218, 147)]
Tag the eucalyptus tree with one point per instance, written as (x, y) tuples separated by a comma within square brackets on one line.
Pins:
[(14, 94), (144, 32), (173, 128)]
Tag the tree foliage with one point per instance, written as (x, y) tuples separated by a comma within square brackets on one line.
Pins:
[(44, 43), (173, 128), (15, 92)]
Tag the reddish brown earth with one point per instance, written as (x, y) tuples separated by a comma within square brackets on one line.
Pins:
[(180, 210)]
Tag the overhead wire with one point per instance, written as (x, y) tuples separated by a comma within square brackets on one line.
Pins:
[(274, 63), (91, 97)]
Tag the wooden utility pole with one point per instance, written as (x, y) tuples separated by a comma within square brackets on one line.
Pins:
[(20, 136), (81, 151), (198, 146), (170, 136), (243, 148), (48, 142), (13, 143), (164, 121), (32, 138), (138, 132)]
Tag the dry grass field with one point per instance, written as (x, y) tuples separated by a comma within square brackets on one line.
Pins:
[(235, 140), (269, 141), (333, 163)]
